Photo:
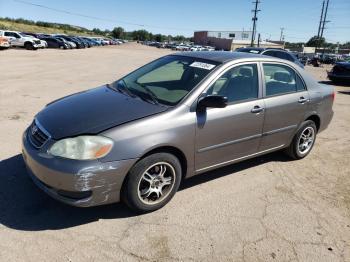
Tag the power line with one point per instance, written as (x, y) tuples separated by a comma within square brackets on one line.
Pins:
[(254, 21), (98, 18)]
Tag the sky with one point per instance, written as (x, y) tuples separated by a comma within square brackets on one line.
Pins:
[(299, 18)]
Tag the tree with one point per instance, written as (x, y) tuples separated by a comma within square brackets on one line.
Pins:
[(97, 31), (118, 32), (159, 37), (346, 45), (315, 41), (140, 35)]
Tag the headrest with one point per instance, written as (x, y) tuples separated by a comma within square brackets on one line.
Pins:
[(282, 76), (246, 71)]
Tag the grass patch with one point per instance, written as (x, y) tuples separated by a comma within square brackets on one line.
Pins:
[(15, 26)]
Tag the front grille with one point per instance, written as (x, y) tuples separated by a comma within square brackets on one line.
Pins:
[(37, 42), (37, 136)]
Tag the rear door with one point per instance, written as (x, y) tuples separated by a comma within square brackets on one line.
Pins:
[(227, 134), (13, 38), (286, 103)]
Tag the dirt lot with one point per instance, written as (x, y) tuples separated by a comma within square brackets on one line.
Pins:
[(266, 209)]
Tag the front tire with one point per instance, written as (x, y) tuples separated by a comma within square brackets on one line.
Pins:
[(29, 46), (303, 141), (152, 182)]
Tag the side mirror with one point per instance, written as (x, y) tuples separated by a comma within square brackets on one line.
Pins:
[(214, 101)]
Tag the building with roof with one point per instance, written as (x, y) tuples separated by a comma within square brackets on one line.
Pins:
[(229, 40)]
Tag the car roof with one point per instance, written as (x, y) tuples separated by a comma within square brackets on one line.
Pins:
[(219, 56)]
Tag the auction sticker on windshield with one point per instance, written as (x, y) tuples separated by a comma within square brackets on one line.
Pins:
[(202, 65)]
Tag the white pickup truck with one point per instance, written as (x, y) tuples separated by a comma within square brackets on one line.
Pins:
[(21, 40)]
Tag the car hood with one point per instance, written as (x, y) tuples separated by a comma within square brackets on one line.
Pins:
[(343, 64), (93, 111), (28, 38)]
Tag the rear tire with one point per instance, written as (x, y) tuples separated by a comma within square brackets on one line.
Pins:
[(152, 182), (303, 140)]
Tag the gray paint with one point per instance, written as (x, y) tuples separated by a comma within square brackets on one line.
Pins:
[(209, 139)]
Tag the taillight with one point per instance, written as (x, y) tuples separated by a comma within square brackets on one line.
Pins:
[(333, 95)]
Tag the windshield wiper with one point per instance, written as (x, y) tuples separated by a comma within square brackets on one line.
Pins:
[(150, 93), (124, 90), (127, 90)]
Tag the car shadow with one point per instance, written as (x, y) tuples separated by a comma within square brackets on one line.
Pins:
[(344, 92), (25, 207), (341, 84)]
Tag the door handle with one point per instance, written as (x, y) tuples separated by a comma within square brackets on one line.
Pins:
[(303, 100), (257, 109)]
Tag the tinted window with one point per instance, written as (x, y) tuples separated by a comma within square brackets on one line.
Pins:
[(289, 57), (280, 79), (300, 83), (237, 84), (282, 55), (270, 53), (11, 34)]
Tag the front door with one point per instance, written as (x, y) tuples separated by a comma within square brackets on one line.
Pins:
[(227, 134)]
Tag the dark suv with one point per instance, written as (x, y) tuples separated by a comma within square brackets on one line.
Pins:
[(275, 52)]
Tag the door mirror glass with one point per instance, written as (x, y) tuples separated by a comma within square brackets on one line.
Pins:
[(213, 101)]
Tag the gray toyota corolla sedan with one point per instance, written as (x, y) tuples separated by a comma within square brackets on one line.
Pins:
[(136, 139)]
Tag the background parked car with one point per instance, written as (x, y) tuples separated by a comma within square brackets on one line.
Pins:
[(196, 48), (70, 44), (4, 43), (78, 43), (279, 53), (21, 40), (182, 47), (53, 42), (340, 72)]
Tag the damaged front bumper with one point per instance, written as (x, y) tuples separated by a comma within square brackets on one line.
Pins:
[(75, 182)]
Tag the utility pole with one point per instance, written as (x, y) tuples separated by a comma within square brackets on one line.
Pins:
[(320, 24), (254, 21), (323, 25), (259, 39), (281, 36), (324, 19)]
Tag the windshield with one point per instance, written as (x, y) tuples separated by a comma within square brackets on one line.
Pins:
[(167, 80)]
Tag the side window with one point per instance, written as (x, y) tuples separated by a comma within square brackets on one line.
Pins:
[(9, 34), (270, 53), (237, 84), (290, 57), (279, 79), (281, 55), (300, 83)]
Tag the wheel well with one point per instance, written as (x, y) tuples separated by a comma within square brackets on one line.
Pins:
[(171, 150), (164, 149), (28, 42), (316, 119)]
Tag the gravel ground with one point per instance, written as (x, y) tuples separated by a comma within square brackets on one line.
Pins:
[(265, 209)]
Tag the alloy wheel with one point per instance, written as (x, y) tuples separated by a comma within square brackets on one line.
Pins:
[(156, 183), (306, 140)]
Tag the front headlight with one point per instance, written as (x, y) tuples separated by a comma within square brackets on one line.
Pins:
[(82, 147)]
